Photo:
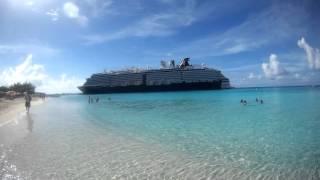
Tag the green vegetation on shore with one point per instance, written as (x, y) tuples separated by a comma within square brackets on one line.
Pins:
[(17, 89)]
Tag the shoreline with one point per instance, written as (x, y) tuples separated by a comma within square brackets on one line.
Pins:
[(11, 109)]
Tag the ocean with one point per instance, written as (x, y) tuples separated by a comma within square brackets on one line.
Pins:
[(168, 135)]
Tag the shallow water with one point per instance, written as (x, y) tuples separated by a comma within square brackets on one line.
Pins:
[(172, 135)]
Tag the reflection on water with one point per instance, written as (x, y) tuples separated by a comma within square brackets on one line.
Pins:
[(10, 136), (29, 122)]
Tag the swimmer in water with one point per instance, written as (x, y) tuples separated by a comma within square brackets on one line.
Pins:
[(245, 102)]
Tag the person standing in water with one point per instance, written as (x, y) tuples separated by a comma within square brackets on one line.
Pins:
[(27, 98)]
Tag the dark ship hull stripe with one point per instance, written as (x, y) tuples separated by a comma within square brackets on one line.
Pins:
[(154, 88)]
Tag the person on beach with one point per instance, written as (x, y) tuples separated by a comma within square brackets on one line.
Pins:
[(28, 99)]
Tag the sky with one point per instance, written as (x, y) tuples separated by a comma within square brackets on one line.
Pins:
[(57, 44)]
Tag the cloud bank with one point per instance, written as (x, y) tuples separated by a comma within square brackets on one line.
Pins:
[(253, 76), (313, 54), (273, 69), (36, 74), (24, 72)]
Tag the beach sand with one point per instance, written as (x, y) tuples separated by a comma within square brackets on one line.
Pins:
[(10, 109)]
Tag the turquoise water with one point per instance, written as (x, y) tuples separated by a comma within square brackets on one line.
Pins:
[(172, 135)]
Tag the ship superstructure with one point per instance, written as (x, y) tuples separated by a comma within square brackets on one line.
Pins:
[(168, 78)]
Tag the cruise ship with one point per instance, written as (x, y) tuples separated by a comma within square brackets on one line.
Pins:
[(169, 77)]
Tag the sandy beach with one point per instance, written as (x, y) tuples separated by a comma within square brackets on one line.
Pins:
[(10, 109)]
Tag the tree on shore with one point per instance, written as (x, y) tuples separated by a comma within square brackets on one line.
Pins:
[(19, 87), (4, 89)]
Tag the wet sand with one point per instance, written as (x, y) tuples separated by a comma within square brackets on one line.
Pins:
[(10, 109)]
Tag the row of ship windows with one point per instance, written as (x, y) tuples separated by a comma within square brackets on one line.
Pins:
[(108, 78), (175, 73), (156, 78), (151, 80), (182, 77), (116, 75), (160, 76), (114, 80), (164, 82)]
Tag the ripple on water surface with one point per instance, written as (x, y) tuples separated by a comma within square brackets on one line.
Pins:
[(194, 135)]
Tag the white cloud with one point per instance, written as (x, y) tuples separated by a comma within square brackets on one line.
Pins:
[(253, 76), (63, 84), (97, 8), (29, 3), (161, 24), (237, 48), (273, 69), (72, 11), (313, 54), (24, 48), (54, 14), (156, 25), (253, 33), (25, 72), (36, 74)]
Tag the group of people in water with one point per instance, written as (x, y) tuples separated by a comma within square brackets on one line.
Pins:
[(92, 100), (244, 102)]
